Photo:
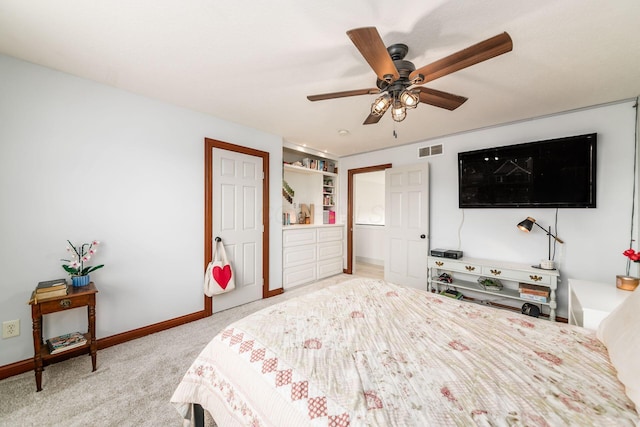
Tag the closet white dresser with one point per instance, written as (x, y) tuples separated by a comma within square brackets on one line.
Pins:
[(311, 252)]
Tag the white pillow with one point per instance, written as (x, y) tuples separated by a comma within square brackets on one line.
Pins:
[(620, 333)]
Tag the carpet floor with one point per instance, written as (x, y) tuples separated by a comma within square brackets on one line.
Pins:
[(133, 381)]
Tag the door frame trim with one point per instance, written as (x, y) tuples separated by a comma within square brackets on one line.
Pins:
[(350, 209), (209, 145)]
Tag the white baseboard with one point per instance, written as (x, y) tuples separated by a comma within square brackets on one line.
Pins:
[(373, 261)]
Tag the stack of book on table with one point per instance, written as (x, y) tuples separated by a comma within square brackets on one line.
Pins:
[(535, 293), (66, 342), (49, 289)]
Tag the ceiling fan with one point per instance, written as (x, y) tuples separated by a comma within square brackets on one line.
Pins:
[(399, 82)]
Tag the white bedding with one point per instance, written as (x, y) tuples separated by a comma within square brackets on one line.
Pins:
[(366, 352)]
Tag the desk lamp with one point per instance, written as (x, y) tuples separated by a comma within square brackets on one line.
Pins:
[(527, 225)]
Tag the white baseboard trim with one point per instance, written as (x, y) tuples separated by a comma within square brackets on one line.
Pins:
[(373, 261)]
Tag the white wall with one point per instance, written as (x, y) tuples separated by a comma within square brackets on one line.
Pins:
[(594, 238), (83, 161), (368, 243), (368, 231), (369, 198)]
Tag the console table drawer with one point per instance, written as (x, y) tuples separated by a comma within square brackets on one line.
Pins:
[(64, 303), (454, 265), (520, 276)]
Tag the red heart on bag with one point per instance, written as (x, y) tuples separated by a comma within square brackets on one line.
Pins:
[(222, 275)]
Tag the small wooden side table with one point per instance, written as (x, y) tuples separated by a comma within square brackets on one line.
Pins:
[(76, 297)]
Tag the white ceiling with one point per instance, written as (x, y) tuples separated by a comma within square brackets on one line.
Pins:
[(254, 62)]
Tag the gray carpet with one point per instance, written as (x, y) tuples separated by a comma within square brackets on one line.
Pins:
[(133, 383)]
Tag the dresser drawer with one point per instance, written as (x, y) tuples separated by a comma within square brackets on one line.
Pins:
[(328, 250), (303, 236), (299, 275), (298, 255), (329, 234), (329, 267)]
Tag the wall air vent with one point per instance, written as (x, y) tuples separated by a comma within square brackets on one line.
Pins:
[(432, 150)]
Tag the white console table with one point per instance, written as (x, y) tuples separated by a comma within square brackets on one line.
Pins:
[(591, 302), (465, 272)]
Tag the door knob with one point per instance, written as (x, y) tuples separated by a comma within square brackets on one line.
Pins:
[(422, 236)]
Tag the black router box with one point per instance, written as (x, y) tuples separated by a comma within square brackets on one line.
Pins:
[(446, 253), (453, 254), (438, 252)]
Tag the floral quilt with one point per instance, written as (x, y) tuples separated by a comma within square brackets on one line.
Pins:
[(370, 353)]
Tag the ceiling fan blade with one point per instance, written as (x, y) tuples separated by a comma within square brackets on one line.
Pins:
[(372, 48), (343, 94), (372, 119), (441, 99), (479, 52)]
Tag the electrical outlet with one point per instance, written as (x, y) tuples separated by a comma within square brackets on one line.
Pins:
[(11, 328)]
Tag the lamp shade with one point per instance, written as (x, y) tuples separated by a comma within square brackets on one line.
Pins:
[(381, 104), (409, 99), (527, 224), (398, 112)]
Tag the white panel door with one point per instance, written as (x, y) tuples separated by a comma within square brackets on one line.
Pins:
[(237, 220), (407, 225)]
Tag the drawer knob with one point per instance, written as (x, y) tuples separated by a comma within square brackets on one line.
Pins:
[(535, 278), (65, 303), (439, 263), (469, 267), (496, 272)]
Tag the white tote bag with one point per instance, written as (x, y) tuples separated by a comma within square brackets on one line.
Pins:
[(219, 277)]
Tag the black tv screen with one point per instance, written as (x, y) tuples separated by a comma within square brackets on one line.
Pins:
[(556, 173)]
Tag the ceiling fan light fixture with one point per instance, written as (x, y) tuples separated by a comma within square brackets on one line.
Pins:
[(381, 104), (398, 112), (409, 99)]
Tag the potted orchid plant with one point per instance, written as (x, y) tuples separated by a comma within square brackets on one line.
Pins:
[(628, 283), (76, 267)]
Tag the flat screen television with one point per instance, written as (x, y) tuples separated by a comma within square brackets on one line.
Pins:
[(555, 173)]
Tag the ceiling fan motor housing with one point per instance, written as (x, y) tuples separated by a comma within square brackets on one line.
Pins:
[(404, 69), (398, 51)]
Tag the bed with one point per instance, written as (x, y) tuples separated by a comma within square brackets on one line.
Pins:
[(370, 353)]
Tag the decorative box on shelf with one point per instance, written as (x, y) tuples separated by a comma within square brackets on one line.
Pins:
[(466, 272)]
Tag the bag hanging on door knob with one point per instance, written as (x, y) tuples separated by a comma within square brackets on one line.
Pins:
[(219, 277)]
